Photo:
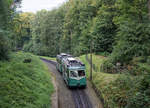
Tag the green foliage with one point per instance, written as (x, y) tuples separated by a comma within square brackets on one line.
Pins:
[(121, 90), (103, 30), (24, 85), (28, 47), (47, 32), (4, 16), (108, 67), (6, 12), (133, 41), (118, 28), (76, 26), (135, 91), (22, 29), (133, 31), (126, 92)]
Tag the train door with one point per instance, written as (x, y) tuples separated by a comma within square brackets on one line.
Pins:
[(65, 75), (63, 71)]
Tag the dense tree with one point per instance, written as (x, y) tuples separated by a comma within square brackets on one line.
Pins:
[(77, 20), (7, 8), (133, 36), (22, 29), (47, 30), (103, 29), (109, 25)]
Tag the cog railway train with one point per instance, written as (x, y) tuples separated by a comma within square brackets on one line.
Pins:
[(73, 70)]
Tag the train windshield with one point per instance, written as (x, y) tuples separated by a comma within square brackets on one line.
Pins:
[(77, 73), (73, 74), (81, 73)]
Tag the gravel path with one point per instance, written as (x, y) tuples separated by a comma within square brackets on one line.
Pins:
[(73, 98)]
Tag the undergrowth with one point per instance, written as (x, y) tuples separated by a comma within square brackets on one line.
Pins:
[(128, 89)]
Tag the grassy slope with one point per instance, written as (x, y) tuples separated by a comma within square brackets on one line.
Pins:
[(121, 90), (24, 85)]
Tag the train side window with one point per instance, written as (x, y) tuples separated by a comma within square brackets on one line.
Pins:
[(81, 73), (73, 74), (67, 72)]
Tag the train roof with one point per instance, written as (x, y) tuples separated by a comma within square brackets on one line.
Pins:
[(63, 54), (71, 61)]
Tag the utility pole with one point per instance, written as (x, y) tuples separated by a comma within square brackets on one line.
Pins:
[(71, 42), (91, 66), (148, 8)]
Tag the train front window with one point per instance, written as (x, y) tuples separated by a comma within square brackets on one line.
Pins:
[(73, 74), (81, 73)]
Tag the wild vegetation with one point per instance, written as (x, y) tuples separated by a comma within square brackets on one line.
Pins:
[(120, 90), (118, 29)]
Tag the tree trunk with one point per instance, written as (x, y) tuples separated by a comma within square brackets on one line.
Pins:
[(149, 8)]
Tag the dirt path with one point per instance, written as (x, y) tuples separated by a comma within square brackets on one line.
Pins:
[(73, 98)]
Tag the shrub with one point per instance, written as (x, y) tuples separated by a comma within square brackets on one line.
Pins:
[(141, 98), (108, 67), (130, 92), (28, 60)]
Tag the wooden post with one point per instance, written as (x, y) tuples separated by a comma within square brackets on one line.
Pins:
[(71, 43), (91, 61), (148, 8)]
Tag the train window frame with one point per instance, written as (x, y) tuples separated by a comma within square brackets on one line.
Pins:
[(68, 74), (74, 74), (83, 73)]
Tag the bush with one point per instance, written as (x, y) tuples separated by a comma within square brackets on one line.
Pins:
[(108, 67), (139, 66), (140, 98), (129, 92), (28, 60)]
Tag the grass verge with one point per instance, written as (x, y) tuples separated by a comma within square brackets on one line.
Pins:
[(24, 85), (48, 58)]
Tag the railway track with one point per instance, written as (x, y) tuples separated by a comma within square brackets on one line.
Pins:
[(81, 99), (49, 61)]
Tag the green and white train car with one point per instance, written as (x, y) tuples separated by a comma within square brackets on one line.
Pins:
[(59, 61), (73, 71)]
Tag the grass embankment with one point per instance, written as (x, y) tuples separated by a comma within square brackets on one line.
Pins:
[(125, 90), (24, 85)]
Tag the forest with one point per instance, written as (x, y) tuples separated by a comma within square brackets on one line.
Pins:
[(116, 29)]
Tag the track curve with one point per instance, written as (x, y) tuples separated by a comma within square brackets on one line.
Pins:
[(79, 96)]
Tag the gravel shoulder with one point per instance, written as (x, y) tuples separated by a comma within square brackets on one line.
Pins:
[(64, 95)]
